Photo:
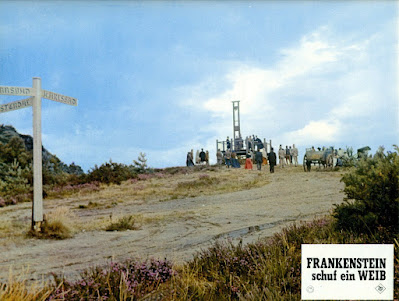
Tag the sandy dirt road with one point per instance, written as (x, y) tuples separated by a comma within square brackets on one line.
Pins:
[(188, 225)]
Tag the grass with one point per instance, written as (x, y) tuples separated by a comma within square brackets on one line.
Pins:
[(123, 224), (57, 225), (90, 205), (185, 183), (18, 289), (268, 269)]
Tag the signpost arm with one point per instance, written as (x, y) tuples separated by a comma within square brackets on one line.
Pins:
[(37, 206)]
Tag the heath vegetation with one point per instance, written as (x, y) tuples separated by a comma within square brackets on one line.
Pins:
[(268, 269)]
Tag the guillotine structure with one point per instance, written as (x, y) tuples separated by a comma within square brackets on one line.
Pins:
[(36, 93), (236, 121), (237, 143)]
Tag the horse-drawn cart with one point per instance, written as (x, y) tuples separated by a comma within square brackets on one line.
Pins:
[(323, 157)]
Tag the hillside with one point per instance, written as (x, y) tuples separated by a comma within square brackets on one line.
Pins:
[(7, 132), (177, 213)]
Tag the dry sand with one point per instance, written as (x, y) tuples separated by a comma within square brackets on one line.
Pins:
[(180, 227)]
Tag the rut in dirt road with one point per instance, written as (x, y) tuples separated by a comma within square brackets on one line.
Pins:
[(182, 226)]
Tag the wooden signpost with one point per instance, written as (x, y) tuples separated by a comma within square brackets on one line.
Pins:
[(34, 99)]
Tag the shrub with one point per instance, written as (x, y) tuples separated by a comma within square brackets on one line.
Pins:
[(372, 191), (123, 224), (117, 281), (52, 230), (55, 227), (69, 189), (111, 172)]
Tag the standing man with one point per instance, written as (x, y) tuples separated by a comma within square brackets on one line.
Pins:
[(258, 159), (219, 157), (227, 157), (281, 156), (228, 143), (197, 158), (287, 155), (272, 160), (294, 155), (202, 156)]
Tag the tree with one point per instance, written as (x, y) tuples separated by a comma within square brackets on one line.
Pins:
[(141, 163), (15, 149)]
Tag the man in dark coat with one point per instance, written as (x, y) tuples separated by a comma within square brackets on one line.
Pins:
[(272, 160), (258, 159), (259, 143), (202, 156)]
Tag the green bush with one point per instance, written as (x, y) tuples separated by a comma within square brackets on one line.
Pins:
[(111, 172), (14, 181), (372, 191)]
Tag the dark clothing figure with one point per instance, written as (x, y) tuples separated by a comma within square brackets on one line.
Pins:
[(259, 143), (234, 160), (259, 159), (272, 160), (202, 156), (189, 160)]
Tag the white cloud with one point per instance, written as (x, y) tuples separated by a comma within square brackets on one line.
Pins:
[(322, 132), (313, 53), (320, 90)]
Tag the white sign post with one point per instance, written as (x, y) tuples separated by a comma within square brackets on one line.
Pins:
[(35, 100)]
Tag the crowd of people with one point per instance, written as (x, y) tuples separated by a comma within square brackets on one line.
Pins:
[(286, 157), (201, 158)]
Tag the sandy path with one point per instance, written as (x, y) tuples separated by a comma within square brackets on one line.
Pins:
[(192, 224)]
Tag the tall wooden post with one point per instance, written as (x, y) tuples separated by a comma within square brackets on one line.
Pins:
[(37, 207), (35, 100)]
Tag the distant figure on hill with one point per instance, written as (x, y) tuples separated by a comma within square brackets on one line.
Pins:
[(234, 160), (227, 157), (189, 160), (249, 142), (264, 156), (287, 155), (259, 143), (258, 159), (197, 158), (207, 157), (281, 156), (272, 160), (294, 155), (202, 156), (248, 162), (219, 157)]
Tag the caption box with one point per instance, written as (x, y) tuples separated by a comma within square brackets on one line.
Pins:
[(350, 271)]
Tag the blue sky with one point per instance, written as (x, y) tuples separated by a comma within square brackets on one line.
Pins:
[(159, 76)]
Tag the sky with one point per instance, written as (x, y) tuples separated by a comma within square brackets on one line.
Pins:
[(159, 77)]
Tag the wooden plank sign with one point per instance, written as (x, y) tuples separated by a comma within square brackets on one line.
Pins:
[(35, 101), (8, 90), (60, 98), (16, 105)]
